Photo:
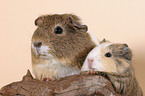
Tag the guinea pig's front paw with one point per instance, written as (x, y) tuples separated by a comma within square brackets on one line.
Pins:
[(91, 72)]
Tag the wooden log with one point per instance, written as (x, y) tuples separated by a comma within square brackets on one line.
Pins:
[(76, 85)]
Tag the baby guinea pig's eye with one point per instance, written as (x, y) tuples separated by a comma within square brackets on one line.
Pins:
[(58, 30), (108, 54)]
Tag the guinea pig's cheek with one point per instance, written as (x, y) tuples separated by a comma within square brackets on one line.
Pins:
[(122, 66), (98, 66), (109, 65)]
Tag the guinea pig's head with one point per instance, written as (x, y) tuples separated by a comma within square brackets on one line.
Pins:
[(108, 57), (57, 32)]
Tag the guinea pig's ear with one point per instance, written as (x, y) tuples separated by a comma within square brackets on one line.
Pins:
[(126, 52), (73, 20), (39, 21), (103, 41)]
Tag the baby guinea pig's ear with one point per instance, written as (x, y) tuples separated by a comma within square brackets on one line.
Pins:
[(74, 21), (39, 21), (125, 52), (103, 41), (128, 52)]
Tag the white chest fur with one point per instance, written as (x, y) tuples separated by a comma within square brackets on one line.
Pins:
[(53, 69), (48, 66)]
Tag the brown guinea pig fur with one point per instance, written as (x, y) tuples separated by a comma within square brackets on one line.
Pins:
[(59, 46)]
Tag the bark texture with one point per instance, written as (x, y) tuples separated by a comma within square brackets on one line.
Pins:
[(76, 85)]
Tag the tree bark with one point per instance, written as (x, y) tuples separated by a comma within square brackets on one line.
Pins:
[(76, 85)]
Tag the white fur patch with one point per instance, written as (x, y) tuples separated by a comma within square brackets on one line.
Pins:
[(53, 69), (42, 51)]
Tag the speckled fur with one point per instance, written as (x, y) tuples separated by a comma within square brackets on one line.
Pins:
[(68, 49), (121, 73)]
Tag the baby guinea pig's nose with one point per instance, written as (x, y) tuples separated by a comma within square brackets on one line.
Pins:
[(90, 63), (37, 44)]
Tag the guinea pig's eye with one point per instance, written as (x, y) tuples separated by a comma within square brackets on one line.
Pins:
[(58, 30), (108, 54)]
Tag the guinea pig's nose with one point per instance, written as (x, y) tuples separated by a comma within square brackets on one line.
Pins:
[(37, 44), (90, 63)]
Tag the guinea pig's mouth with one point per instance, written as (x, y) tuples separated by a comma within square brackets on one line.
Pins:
[(42, 52), (43, 55), (39, 53)]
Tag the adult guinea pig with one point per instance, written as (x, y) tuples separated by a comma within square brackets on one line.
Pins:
[(59, 46)]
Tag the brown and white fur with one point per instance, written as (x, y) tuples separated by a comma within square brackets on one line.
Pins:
[(113, 60), (59, 47)]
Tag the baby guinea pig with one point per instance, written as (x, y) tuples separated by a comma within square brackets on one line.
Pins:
[(59, 47), (113, 60)]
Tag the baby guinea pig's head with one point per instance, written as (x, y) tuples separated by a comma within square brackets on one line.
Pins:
[(108, 57)]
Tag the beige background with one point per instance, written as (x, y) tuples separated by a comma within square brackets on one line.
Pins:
[(115, 20)]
